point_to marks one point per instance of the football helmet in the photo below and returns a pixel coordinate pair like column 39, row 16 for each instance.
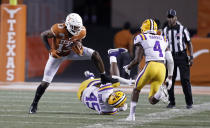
column 74, row 23
column 117, row 99
column 149, row 26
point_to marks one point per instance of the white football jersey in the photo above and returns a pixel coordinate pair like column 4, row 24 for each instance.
column 154, row 46
column 96, row 98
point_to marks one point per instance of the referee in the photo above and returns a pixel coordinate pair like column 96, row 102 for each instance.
column 179, row 40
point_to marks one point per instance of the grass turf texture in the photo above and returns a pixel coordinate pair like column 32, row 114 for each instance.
column 64, row 110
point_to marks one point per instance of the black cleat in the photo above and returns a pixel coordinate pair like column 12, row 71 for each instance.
column 107, row 79
column 33, row 109
column 171, row 106
column 189, row 106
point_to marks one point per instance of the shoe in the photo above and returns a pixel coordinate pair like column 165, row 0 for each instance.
column 164, row 94
column 116, row 51
column 33, row 109
column 107, row 79
column 171, row 106
column 130, row 118
column 189, row 106
column 89, row 74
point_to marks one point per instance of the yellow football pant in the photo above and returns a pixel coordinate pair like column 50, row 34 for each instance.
column 153, row 73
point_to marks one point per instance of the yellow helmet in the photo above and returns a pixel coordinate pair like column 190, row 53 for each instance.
column 149, row 26
column 117, row 99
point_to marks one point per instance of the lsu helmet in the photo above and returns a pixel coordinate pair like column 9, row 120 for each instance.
column 117, row 99
column 74, row 23
column 149, row 26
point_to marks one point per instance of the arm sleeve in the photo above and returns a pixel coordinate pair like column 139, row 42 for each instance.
column 170, row 62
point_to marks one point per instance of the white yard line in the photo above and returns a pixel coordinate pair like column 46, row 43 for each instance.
column 153, row 117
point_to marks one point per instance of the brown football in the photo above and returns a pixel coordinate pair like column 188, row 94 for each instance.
column 77, row 48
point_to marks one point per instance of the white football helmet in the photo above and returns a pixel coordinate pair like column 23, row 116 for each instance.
column 74, row 23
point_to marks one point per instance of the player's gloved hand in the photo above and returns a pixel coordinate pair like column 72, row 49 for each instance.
column 54, row 52
column 126, row 69
column 107, row 79
column 168, row 82
column 77, row 48
column 123, row 108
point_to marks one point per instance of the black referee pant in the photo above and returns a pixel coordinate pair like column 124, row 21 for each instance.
column 181, row 61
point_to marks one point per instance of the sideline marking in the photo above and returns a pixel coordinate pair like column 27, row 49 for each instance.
column 153, row 117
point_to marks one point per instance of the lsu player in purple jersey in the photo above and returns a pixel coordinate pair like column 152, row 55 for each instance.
column 103, row 98
column 155, row 49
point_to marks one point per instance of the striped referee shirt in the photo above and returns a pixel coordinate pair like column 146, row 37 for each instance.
column 177, row 36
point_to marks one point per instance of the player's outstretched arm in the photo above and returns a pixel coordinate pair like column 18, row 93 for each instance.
column 170, row 67
column 139, row 52
column 44, row 36
column 49, row 34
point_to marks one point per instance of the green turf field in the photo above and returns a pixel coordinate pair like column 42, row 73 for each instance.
column 64, row 110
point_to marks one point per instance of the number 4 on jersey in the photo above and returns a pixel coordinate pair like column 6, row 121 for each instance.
column 158, row 48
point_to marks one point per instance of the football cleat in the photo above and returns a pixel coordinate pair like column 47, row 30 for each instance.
column 171, row 106
column 33, row 109
column 164, row 94
column 189, row 107
column 107, row 79
column 130, row 118
column 116, row 51
column 89, row 74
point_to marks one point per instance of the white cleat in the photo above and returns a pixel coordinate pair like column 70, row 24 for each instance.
column 116, row 51
column 130, row 118
column 164, row 94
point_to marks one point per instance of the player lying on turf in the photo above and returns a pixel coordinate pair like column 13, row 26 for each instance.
column 102, row 97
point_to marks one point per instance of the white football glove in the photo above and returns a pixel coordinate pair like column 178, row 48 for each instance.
column 168, row 83
column 123, row 108
column 126, row 69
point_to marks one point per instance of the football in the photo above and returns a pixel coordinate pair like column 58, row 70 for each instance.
column 77, row 47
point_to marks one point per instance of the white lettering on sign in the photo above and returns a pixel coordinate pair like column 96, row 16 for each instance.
column 10, row 75
column 10, row 63
column 11, row 44
column 11, row 50
column 11, row 37
column 11, row 23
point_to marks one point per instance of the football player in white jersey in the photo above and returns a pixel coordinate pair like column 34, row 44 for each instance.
column 155, row 49
column 103, row 98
